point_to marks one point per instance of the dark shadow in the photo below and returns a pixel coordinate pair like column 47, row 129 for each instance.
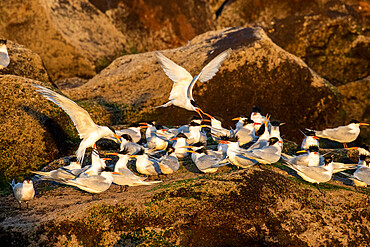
column 63, row 141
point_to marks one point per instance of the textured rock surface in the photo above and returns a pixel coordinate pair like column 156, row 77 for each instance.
column 251, row 207
column 33, row 130
column 157, row 24
column 335, row 42
column 258, row 72
column 356, row 101
column 72, row 37
column 24, row 63
column 332, row 37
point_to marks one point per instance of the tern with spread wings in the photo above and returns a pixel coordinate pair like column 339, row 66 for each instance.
column 87, row 129
column 182, row 91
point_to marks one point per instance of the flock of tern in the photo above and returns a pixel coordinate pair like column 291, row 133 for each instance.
column 160, row 150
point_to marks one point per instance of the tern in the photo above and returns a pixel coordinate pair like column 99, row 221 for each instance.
column 87, row 129
column 196, row 134
column 217, row 130
column 23, row 192
column 257, row 117
column 246, row 133
column 309, row 140
column 134, row 131
column 235, row 154
column 124, row 176
column 182, row 91
column 128, row 144
column 342, row 134
column 310, row 158
column 147, row 165
column 179, row 142
column 268, row 154
column 169, row 162
column 206, row 162
column 263, row 138
column 361, row 177
column 241, row 122
column 93, row 184
column 275, row 129
column 315, row 174
column 4, row 56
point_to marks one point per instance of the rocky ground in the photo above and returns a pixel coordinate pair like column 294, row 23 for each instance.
column 304, row 62
column 263, row 205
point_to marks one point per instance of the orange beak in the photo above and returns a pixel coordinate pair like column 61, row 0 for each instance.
column 315, row 137
column 111, row 153
column 118, row 138
column 302, row 151
column 364, row 124
column 208, row 115
column 236, row 119
column 224, row 142
column 173, row 139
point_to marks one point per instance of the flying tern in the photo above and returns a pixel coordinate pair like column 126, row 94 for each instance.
column 87, row 129
column 182, row 91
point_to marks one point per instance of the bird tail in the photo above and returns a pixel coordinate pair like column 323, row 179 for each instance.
column 41, row 173
column 169, row 103
column 285, row 156
column 13, row 183
column 80, row 153
column 149, row 183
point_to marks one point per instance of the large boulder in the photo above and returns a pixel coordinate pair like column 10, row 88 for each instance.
column 24, row 63
column 331, row 36
column 356, row 101
column 258, row 72
column 34, row 131
column 72, row 37
column 155, row 25
column 334, row 41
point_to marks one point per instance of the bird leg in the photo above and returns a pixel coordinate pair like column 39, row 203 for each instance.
column 20, row 205
column 344, row 145
column 120, row 189
column 318, row 187
column 126, row 188
column 27, row 205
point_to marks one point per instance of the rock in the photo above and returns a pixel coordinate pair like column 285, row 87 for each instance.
column 332, row 37
column 72, row 37
column 24, row 63
column 34, row 131
column 356, row 101
column 155, row 25
column 258, row 72
column 333, row 41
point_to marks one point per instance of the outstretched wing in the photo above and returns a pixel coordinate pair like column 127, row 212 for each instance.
column 81, row 118
column 176, row 73
column 209, row 71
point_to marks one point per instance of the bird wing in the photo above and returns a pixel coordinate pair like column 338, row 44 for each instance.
column 269, row 154
column 95, row 182
column 209, row 71
column 80, row 117
column 339, row 133
column 176, row 73
column 208, row 161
